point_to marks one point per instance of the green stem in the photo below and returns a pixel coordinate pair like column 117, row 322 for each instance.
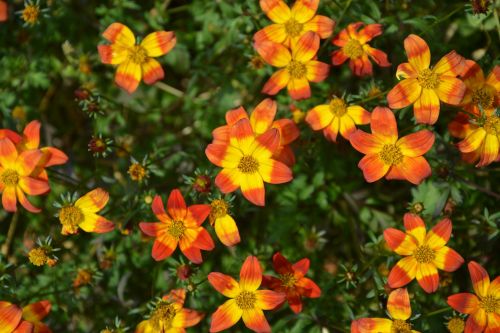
column 171, row 90
column 430, row 314
column 10, row 234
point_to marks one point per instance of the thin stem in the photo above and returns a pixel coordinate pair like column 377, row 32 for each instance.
column 373, row 97
column 478, row 187
column 37, row 295
column 10, row 234
column 171, row 90
column 430, row 314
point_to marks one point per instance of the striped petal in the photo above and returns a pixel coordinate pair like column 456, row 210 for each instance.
column 464, row 302
column 273, row 53
column 255, row 320
column 152, row 229
column 263, row 115
column 373, row 167
column 176, row 206
column 112, row 54
column 369, row 32
column 228, row 180
column 204, row 241
column 8, row 153
column 23, row 200
column 9, row 199
column 473, row 141
column 365, row 143
column 428, row 277
column 426, row 108
column 227, row 230
column 10, row 316
column 317, row 71
column 276, row 82
column 163, row 247
column 308, row 288
column 4, row 11
column 299, row 89
column 276, row 10
column 128, row 76
column 398, row 304
column 93, row 201
column 493, row 323
column 250, row 274
column 119, row 34
column 24, row 327
column 275, row 172
column 159, row 209
column 96, row 223
column 198, row 213
column 319, row 117
column 494, row 288
column 223, row 155
column 242, row 136
column 152, row 71
column 404, row 93
column 186, row 318
column 359, row 115
column 36, row 311
column 275, row 33
column 476, row 322
column 417, row 50
column 494, row 78
column 472, row 75
column 321, row 25
column 159, row 43
column 371, row 325
column 266, row 145
column 268, row 299
column 480, row 279
column 401, row 243
column 252, row 188
column 416, row 144
column 448, row 259
column 288, row 130
column 33, row 186
column 304, row 10
column 54, row 156
column 414, row 169
column 226, row 316
column 339, row 57
column 188, row 247
column 306, row 48
column 452, row 64
column 332, row 130
column 383, row 124
column 347, row 126
column 31, row 135
column 27, row 161
column 415, row 226
column 224, row 284
column 405, row 71
column 490, row 150
column 361, row 66
column 451, row 90
column 377, row 55
column 439, row 234
column 232, row 116
column 403, row 272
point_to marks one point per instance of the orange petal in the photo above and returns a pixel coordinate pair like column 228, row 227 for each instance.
column 494, row 78
column 448, row 259
column 119, row 34
column 472, row 74
column 414, row 169
column 266, row 144
column 250, row 274
column 321, row 25
column 304, row 10
column 255, row 320
column 281, row 264
column 226, row 316
column 319, row 117
column 188, row 248
column 263, row 115
column 33, row 186
column 401, row 243
column 452, row 64
column 4, row 11
column 404, row 93
column 398, row 304
column 159, row 43
column 96, row 223
column 299, row 89
column 473, row 141
column 428, row 277
column 358, row 114
column 54, row 156
column 10, row 316
column 227, row 230
column 383, row 124
column 9, row 199
column 232, row 116
column 361, row 66
column 28, row 160
column 495, row 287
column 405, row 71
column 252, row 188
column 8, row 153
column 275, row 172
column 365, row 143
column 31, row 135
column 317, row 71
column 228, row 180
column 331, row 131
column 152, row 229
column 416, row 144
column 476, row 322
column 187, row 318
column 493, row 323
column 220, row 135
column 176, row 205
column 276, row 82
column 373, row 167
column 242, row 136
column 25, row 202
column 268, row 300
column 338, row 57
column 224, row 284
column 128, row 76
column 369, row 32
column 301, row 266
column 275, row 33
column 371, row 325
column 439, row 234
column 112, row 54
column 199, row 213
column 347, row 126
column 289, row 132
column 159, row 209
column 93, row 201
column 415, row 226
column 377, row 55
column 426, row 108
column 276, row 10
column 13, row 136
column 152, row 71
column 24, row 327
column 480, row 279
column 273, row 53
column 223, row 155
column 308, row 288
column 490, row 150
column 417, row 50
column 163, row 247
column 306, row 48
column 451, row 90
column 464, row 302
column 204, row 241
column 36, row 311
column 403, row 272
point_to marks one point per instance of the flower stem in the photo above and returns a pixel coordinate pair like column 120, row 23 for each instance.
column 10, row 234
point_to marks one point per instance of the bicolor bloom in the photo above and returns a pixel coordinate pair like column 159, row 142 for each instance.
column 16, row 178
column 181, row 226
column 354, row 46
column 261, row 120
column 398, row 306
column 483, row 308
column 424, row 86
column 28, row 319
column 480, row 92
column 292, row 281
column 4, row 11
column 336, row 117
column 83, row 214
column 135, row 61
column 297, row 68
column 424, row 253
column 169, row 315
column 247, row 162
column 460, row 127
column 388, row 156
column 291, row 24
column 246, row 301
column 223, row 223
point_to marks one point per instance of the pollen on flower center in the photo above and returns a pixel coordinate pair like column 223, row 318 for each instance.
column 400, row 326
column 424, row 254
column 296, row 69
column 162, row 317
column 492, row 125
column 248, row 164
column 218, row 208
column 176, row 229
column 293, row 28
column 30, row 14
column 483, row 96
column 391, row 154
column 9, row 177
column 490, row 304
column 456, row 325
column 137, row 172
column 338, row 107
column 246, row 300
column 71, row 217
column 288, row 280
column 138, row 54
column 38, row 256
column 353, row 49
column 428, row 79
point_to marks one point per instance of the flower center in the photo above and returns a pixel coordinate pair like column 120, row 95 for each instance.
column 38, row 256
column 490, row 304
column 218, row 208
column 162, row 317
column 296, row 69
column 391, row 155
column 137, row 55
column 353, row 49
column 176, row 229
column 137, row 172
column 30, row 14
column 71, row 217
column 9, row 177
column 338, row 107
column 288, row 280
column 293, row 28
column 483, row 96
column 424, row 254
column 428, row 79
column 492, row 125
column 456, row 325
column 400, row 326
column 248, row 164
column 246, row 300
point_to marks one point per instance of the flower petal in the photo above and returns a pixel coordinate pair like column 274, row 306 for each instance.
column 227, row 230
column 112, row 54
column 480, row 279
column 301, row 266
column 359, row 114
column 304, row 10
column 204, row 241
column 276, row 82
column 263, row 115
column 242, row 136
column 473, row 141
column 339, row 57
column 250, row 274
column 490, row 150
column 404, row 93
column 188, row 247
column 276, row 10
column 317, row 71
column 223, row 155
column 159, row 43
column 228, row 180
column 275, row 172
column 299, row 89
column 93, row 201
column 405, row 71
column 25, row 202
column 33, row 186
column 319, row 117
column 288, row 130
column 96, row 223
column 414, row 169
column 377, row 55
column 9, row 199
column 159, row 209
column 163, row 247
column 426, row 108
column 451, row 90
column 464, row 302
column 361, row 66
column 398, row 304
column 36, row 311
column 332, row 130
column 176, row 205
column 415, row 226
column 417, row 50
column 28, row 160
column 151, row 229
column 321, row 25
column 448, row 259
column 226, row 316
column 401, row 243
column 373, row 167
column 347, row 126
column 10, row 316
column 476, row 322
column 152, row 71
column 268, row 300
column 275, row 33
column 24, row 327
column 403, row 272
column 428, row 277
column 255, row 320
column 128, row 76
column 306, row 48
column 224, row 284
column 371, row 325
column 365, row 143
column 416, row 144
column 452, row 64
column 439, row 234
column 8, row 152
column 199, row 213
column 273, row 53
column 383, row 124
column 119, row 34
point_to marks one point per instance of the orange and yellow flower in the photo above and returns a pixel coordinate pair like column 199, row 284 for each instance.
column 480, row 92
column 82, row 214
column 223, row 223
column 337, row 116
column 398, row 306
column 13, row 319
column 135, row 61
column 460, row 127
column 297, row 68
column 483, row 308
column 388, row 156
column 292, row 281
column 424, row 86
column 424, row 253
column 169, row 315
column 261, row 120
column 246, row 301
column 181, row 226
column 354, row 46
column 247, row 161
column 291, row 24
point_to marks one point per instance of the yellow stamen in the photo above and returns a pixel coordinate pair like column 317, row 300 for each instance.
column 490, row 304
column 162, row 317
column 353, row 49
column 483, row 96
column 400, row 326
column 176, row 229
column 38, row 256
column 428, row 79
column 137, row 172
column 138, row 55
column 424, row 254
column 391, row 154
column 30, row 14
column 492, row 125
column 296, row 69
column 338, row 107
column 293, row 28
column 70, row 217
column 248, row 164
column 288, row 280
column 9, row 177
column 246, row 300
column 218, row 209
column 456, row 325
